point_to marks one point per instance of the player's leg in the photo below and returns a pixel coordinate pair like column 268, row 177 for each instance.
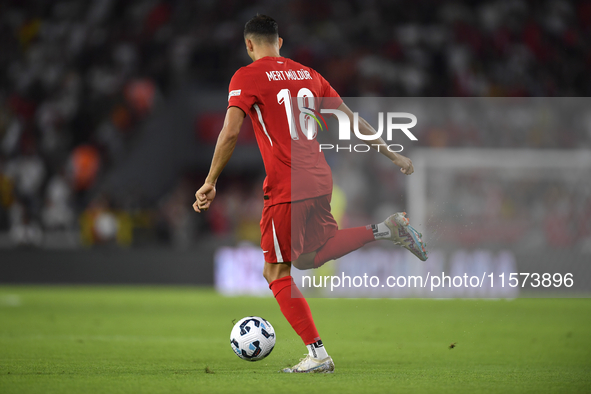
column 296, row 310
column 291, row 302
column 343, row 242
column 277, row 243
column 324, row 241
column 395, row 228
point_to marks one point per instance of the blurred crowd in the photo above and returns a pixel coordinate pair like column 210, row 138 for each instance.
column 76, row 84
column 79, row 79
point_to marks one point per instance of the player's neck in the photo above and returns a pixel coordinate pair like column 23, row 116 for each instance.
column 267, row 52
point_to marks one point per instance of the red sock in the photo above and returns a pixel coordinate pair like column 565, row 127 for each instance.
column 344, row 241
column 295, row 308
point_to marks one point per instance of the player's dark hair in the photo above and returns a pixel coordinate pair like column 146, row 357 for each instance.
column 263, row 27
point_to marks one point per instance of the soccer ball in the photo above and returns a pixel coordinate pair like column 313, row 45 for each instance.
column 252, row 338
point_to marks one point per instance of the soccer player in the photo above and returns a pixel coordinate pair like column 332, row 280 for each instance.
column 297, row 227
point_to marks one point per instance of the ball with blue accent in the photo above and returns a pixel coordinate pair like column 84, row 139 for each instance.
column 252, row 338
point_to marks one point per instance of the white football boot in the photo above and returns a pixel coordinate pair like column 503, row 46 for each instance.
column 309, row 364
column 403, row 234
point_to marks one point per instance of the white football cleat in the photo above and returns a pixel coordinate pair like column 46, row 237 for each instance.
column 312, row 365
column 403, row 234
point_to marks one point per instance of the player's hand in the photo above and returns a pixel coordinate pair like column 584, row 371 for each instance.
column 404, row 163
column 204, row 197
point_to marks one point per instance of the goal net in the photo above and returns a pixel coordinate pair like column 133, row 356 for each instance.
column 508, row 210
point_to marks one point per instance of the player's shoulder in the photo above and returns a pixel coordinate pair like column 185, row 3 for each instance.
column 293, row 63
column 296, row 65
column 313, row 73
column 244, row 72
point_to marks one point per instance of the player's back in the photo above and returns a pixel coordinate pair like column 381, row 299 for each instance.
column 273, row 90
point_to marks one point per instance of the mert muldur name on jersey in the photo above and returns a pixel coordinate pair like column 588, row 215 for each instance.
column 289, row 75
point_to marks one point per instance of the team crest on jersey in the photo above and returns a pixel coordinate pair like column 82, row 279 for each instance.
column 234, row 93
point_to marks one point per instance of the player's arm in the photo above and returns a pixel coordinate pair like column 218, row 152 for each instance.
column 365, row 128
column 223, row 151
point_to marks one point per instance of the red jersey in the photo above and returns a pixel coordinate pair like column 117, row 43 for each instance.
column 296, row 168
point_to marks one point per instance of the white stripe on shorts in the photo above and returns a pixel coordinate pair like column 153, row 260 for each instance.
column 276, row 243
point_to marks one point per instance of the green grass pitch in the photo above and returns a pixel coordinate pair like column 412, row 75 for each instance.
column 176, row 340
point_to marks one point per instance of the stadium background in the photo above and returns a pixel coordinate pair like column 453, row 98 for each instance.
column 109, row 111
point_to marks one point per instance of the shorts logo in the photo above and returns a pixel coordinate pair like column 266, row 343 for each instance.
column 234, row 93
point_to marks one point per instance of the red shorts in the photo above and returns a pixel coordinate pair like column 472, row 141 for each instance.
column 291, row 229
